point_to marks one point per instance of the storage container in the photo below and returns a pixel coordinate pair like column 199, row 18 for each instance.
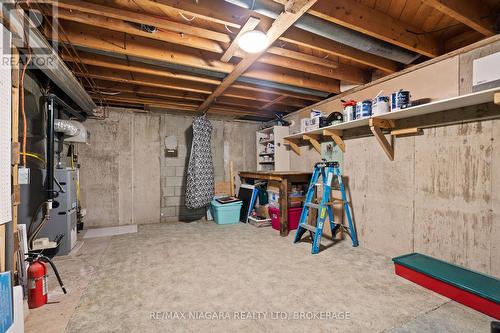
column 226, row 213
column 293, row 217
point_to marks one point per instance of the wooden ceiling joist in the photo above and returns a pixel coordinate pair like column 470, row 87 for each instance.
column 271, row 103
column 133, row 29
column 118, row 43
column 139, row 18
column 122, row 25
column 318, row 43
column 295, row 60
column 375, row 23
column 110, row 87
column 251, row 24
column 465, row 11
column 280, row 25
column 143, row 80
column 98, row 60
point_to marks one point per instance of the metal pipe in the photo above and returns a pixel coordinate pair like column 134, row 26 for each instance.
column 66, row 127
column 49, row 183
column 332, row 31
column 53, row 66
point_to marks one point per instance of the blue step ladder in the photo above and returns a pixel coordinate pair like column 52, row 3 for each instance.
column 327, row 170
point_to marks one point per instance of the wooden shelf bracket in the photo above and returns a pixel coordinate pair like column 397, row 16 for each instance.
column 496, row 98
column 376, row 126
column 293, row 145
column 337, row 137
column 313, row 139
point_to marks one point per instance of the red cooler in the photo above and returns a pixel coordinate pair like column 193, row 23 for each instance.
column 293, row 217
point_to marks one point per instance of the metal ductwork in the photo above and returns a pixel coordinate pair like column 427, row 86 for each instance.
column 66, row 127
column 55, row 68
column 332, row 31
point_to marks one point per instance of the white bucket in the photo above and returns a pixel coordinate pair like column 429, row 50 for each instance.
column 380, row 105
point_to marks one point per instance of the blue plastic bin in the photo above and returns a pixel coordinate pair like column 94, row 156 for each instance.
column 226, row 213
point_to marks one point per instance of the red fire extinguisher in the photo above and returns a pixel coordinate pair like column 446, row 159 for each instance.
column 37, row 284
column 37, row 280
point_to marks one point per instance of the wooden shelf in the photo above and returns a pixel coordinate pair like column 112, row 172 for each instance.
column 386, row 121
column 485, row 96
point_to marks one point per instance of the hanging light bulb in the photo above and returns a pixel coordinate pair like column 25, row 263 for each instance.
column 253, row 41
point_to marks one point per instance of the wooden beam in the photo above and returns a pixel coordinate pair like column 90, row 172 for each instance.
column 251, row 23
column 293, row 145
column 375, row 23
column 337, row 137
column 280, row 25
column 132, row 28
column 159, row 103
column 382, row 140
column 496, row 98
column 342, row 72
column 231, row 15
column 296, row 60
column 407, row 132
column 212, row 13
column 139, row 18
column 315, row 42
column 281, row 51
column 382, row 123
column 113, row 87
column 376, row 126
column 314, row 140
column 262, row 90
column 466, row 11
column 93, row 59
column 114, row 42
column 278, row 99
column 143, row 80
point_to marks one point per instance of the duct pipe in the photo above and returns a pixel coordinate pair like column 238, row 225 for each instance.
column 53, row 66
column 332, row 31
column 66, row 127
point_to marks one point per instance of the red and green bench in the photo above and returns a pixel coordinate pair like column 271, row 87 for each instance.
column 478, row 291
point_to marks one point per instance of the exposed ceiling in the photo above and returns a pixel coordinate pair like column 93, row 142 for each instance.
column 191, row 64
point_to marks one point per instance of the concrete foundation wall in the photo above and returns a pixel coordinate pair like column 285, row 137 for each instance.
column 128, row 178
column 441, row 194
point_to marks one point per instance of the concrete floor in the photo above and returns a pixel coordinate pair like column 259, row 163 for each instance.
column 133, row 283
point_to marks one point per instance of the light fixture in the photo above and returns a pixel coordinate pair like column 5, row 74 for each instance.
column 253, row 41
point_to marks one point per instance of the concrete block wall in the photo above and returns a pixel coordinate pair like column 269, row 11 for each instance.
column 127, row 177
column 229, row 140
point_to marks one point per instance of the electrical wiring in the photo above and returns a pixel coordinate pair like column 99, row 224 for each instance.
column 227, row 28
column 187, row 19
column 36, row 156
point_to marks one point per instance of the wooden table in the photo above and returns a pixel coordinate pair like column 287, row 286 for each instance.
column 285, row 179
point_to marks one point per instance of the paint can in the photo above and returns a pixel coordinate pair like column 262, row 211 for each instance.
column 400, row 99
column 359, row 110
column 349, row 110
column 366, row 108
column 380, row 105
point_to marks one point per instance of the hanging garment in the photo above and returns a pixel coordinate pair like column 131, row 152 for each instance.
column 200, row 174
